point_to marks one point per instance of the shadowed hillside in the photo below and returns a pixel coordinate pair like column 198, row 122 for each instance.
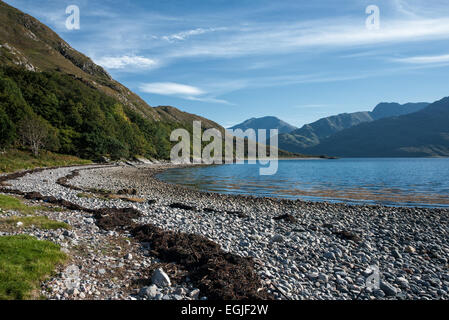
column 421, row 134
column 301, row 140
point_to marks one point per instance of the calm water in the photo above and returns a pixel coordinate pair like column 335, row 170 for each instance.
column 410, row 182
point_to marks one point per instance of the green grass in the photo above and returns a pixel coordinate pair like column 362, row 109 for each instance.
column 11, row 203
column 24, row 263
column 15, row 160
column 41, row 222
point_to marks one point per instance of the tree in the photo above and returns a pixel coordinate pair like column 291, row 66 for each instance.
column 34, row 132
column 6, row 129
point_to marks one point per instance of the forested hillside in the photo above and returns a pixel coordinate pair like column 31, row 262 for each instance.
column 79, row 119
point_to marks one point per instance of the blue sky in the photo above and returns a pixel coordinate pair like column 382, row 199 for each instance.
column 236, row 59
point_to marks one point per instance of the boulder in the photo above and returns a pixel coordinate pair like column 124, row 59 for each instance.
column 160, row 278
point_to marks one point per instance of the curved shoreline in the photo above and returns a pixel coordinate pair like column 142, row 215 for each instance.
column 210, row 261
column 322, row 253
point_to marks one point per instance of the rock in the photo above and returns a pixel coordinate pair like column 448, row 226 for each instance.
column 244, row 243
column 160, row 278
column 388, row 289
column 378, row 293
column 323, row 278
column 149, row 292
column 19, row 224
column 410, row 249
column 158, row 296
column 348, row 235
column 73, row 292
column 277, row 238
column 129, row 256
column 313, row 275
column 286, row 217
column 396, row 254
column 402, row 282
column 89, row 220
column 194, row 294
column 180, row 291
column 102, row 271
column 67, row 233
column 329, row 255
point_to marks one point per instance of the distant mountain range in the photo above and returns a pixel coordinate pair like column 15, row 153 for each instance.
column 390, row 130
column 310, row 135
column 420, row 134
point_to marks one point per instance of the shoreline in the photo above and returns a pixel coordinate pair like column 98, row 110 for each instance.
column 321, row 251
column 360, row 197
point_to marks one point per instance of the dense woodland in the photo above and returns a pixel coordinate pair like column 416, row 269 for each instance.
column 75, row 118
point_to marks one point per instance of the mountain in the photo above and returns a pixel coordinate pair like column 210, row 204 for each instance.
column 80, row 107
column 386, row 110
column 24, row 41
column 311, row 135
column 88, row 113
column 421, row 134
column 265, row 123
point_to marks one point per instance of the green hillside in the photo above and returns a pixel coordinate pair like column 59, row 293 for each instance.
column 85, row 112
column 80, row 120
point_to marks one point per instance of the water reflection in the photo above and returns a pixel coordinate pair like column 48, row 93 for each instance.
column 423, row 182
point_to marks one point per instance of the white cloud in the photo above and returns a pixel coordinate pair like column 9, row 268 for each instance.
column 425, row 59
column 171, row 88
column 182, row 91
column 327, row 34
column 126, row 61
column 210, row 100
column 181, row 36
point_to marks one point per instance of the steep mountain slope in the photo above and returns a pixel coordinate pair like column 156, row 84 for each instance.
column 311, row 135
column 421, row 134
column 86, row 111
column 24, row 41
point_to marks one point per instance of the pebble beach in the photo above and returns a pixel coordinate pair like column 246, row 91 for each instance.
column 301, row 250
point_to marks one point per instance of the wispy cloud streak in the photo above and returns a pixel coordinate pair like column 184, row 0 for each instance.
column 183, row 91
column 126, row 61
column 425, row 59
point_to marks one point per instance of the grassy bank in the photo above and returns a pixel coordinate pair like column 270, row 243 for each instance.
column 14, row 160
column 41, row 222
column 12, row 203
column 24, row 263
